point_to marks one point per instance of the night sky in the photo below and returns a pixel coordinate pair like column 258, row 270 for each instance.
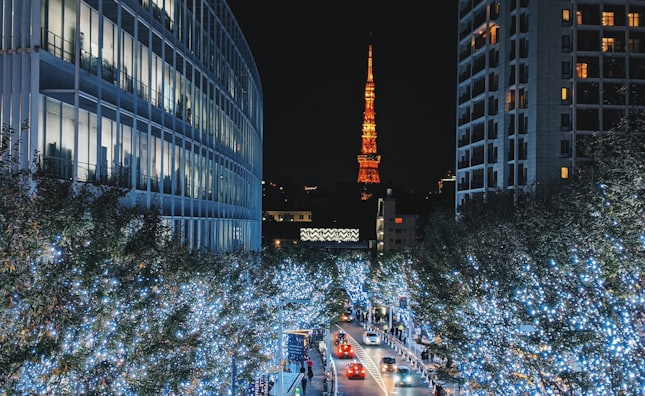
column 312, row 59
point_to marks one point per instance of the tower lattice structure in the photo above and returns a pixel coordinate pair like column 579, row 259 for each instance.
column 368, row 159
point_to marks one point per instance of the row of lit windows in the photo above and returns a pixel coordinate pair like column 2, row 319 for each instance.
column 109, row 152
column 611, row 69
column 215, row 234
column 607, row 18
column 126, row 62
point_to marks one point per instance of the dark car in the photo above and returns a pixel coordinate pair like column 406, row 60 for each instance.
column 355, row 370
column 403, row 376
column 341, row 338
column 388, row 364
column 345, row 351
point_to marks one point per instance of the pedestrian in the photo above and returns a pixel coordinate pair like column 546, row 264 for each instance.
column 303, row 383
column 310, row 373
column 385, row 328
column 310, row 363
column 302, row 369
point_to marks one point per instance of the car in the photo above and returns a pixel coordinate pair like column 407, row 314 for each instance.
column 355, row 370
column 388, row 364
column 340, row 338
column 345, row 351
column 371, row 337
column 346, row 316
column 403, row 376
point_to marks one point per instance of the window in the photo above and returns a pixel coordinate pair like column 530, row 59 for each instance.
column 564, row 172
column 608, row 44
column 634, row 19
column 565, row 122
column 494, row 31
column 608, row 18
column 581, row 70
column 634, row 45
column 564, row 148
column 566, row 69
column 566, row 17
column 566, row 43
column 579, row 17
column 524, row 48
column 524, row 23
column 523, row 99
column 564, row 95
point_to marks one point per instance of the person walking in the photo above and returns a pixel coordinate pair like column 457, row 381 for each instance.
column 310, row 369
column 310, row 373
column 303, row 384
column 310, row 363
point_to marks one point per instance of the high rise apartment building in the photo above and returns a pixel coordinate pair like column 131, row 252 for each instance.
column 537, row 79
column 162, row 97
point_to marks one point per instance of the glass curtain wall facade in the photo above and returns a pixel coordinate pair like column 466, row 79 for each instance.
column 160, row 96
column 536, row 80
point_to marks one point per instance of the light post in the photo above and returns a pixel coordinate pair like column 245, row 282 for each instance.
column 327, row 349
column 282, row 302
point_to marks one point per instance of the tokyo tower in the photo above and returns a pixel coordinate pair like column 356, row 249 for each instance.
column 368, row 159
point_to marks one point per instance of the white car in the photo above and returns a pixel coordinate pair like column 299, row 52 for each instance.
column 371, row 337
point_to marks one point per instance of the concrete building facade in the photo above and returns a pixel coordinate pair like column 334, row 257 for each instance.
column 535, row 81
column 394, row 231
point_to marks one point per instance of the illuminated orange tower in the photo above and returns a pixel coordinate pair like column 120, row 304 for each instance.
column 368, row 159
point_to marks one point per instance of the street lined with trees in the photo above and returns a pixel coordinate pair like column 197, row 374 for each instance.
column 525, row 295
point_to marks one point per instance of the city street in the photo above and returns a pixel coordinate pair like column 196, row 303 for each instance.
column 375, row 382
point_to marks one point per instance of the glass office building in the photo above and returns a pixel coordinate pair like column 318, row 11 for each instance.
column 160, row 96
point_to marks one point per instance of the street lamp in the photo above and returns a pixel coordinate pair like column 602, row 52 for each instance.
column 282, row 303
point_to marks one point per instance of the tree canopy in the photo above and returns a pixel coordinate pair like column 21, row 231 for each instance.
column 525, row 294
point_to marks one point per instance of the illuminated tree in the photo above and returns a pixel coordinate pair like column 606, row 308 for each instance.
column 548, row 291
column 99, row 299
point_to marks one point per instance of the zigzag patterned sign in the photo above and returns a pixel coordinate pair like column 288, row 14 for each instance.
column 329, row 234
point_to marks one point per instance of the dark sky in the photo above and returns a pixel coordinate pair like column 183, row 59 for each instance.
column 312, row 59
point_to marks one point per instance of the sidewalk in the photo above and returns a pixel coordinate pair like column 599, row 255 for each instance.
column 316, row 386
